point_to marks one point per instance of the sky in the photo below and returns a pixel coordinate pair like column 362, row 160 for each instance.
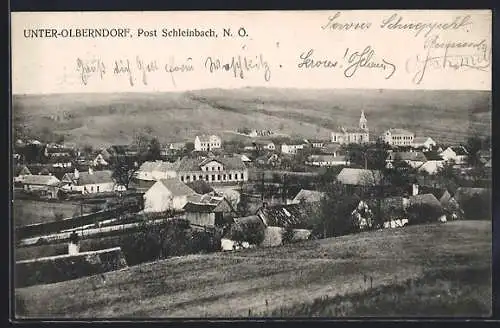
column 275, row 42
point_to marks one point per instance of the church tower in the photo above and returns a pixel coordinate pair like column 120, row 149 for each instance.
column 363, row 122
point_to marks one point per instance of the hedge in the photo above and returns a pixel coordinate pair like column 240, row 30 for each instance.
column 66, row 267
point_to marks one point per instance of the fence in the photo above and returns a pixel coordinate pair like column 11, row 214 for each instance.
column 71, row 223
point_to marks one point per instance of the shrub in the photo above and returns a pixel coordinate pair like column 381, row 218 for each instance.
column 423, row 213
column 477, row 207
column 288, row 235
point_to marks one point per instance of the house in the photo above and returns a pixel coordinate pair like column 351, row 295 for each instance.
column 209, row 210
column 426, row 208
column 359, row 177
column 200, row 214
column 120, row 151
column 326, row 160
column 269, row 159
column 332, row 149
column 424, row 142
column 450, row 206
column 431, row 167
column 207, row 142
column 58, row 151
column 167, row 194
column 156, row 170
column 214, row 169
column 177, row 146
column 99, row 160
column 398, row 137
column 44, row 185
column 292, row 147
column 316, row 143
column 244, row 158
column 263, row 145
column 295, row 217
column 308, row 196
column 90, row 182
column 457, row 154
column 413, row 158
column 358, row 135
column 20, row 172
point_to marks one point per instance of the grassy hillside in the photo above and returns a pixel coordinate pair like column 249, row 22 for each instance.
column 291, row 279
column 102, row 119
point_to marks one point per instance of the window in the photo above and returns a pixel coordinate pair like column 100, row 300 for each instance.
column 213, row 177
column 241, row 176
column 97, row 188
column 206, row 177
column 224, row 177
column 200, row 177
column 218, row 168
column 194, row 177
column 182, row 178
column 230, row 176
column 218, row 177
column 213, row 168
column 92, row 188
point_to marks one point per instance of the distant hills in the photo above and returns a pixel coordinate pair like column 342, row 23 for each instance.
column 103, row 119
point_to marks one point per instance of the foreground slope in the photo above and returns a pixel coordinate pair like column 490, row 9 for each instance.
column 285, row 279
column 103, row 119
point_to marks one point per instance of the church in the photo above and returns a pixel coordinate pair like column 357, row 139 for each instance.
column 357, row 135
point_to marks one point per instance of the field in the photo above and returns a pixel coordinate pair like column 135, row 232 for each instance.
column 433, row 270
column 33, row 211
column 104, row 119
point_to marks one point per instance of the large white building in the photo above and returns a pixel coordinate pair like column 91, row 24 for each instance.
column 207, row 142
column 398, row 137
column 358, row 135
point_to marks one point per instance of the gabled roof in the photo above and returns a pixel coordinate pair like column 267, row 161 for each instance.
column 437, row 192
column 309, row 196
column 433, row 156
column 194, row 164
column 327, row 158
column 86, row 178
column 425, row 199
column 157, row 166
column 360, row 177
column 459, row 150
column 199, row 208
column 417, row 156
column 21, row 170
column 399, row 131
column 46, row 180
column 206, row 137
column 421, row 140
column 176, row 187
column 297, row 216
column 200, row 187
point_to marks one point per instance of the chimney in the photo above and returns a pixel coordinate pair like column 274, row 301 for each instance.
column 76, row 174
column 414, row 189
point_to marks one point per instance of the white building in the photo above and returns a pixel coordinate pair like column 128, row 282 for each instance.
column 431, row 167
column 458, row 154
column 358, row 135
column 90, row 182
column 291, row 149
column 398, row 137
column 424, row 142
column 167, row 194
column 212, row 170
column 99, row 161
column 157, row 170
column 326, row 160
column 207, row 142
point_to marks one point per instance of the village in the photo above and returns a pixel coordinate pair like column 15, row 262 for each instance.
column 213, row 195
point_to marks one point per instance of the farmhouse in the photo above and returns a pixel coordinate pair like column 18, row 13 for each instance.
column 52, row 151
column 457, row 154
column 207, row 142
column 424, row 142
column 167, row 194
column 359, row 177
column 156, row 170
column 398, row 137
column 279, row 218
column 292, row 147
column 264, row 145
column 358, row 135
column 90, row 182
column 45, row 185
column 99, row 160
column 326, row 160
column 413, row 158
column 308, row 196
column 332, row 149
column 425, row 207
column 316, row 143
column 212, row 169
column 209, row 210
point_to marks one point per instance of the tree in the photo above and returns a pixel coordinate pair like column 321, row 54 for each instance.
column 154, row 150
column 124, row 170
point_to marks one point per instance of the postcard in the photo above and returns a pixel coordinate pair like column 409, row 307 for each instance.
column 251, row 164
